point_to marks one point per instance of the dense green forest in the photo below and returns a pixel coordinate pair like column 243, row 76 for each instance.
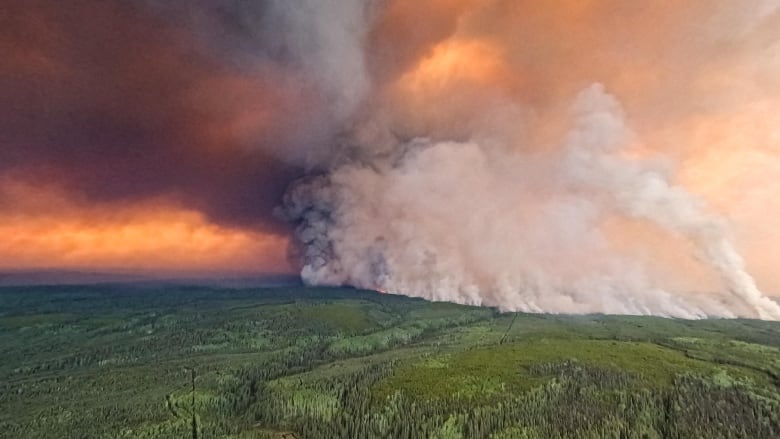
column 164, row 361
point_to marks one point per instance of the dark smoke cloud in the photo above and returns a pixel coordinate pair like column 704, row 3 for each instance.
column 121, row 101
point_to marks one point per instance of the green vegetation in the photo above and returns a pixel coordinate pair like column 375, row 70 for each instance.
column 163, row 361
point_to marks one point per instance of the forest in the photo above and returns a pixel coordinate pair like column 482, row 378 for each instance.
column 159, row 360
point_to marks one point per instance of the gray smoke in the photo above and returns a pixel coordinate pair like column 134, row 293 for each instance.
column 481, row 217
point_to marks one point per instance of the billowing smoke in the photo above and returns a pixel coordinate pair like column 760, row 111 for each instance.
column 464, row 207
column 463, row 222
column 560, row 156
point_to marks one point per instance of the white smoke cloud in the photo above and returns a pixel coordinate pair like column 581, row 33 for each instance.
column 323, row 41
column 477, row 212
column 324, row 38
column 460, row 222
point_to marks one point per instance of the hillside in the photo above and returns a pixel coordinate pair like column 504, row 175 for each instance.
column 145, row 361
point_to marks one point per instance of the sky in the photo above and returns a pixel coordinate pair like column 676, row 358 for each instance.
column 129, row 141
column 162, row 137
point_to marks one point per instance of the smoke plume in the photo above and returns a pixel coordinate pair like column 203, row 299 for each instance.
column 463, row 206
column 557, row 156
column 461, row 222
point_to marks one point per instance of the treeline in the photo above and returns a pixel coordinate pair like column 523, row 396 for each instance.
column 577, row 402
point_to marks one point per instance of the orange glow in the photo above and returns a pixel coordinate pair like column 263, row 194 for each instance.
column 150, row 237
column 455, row 60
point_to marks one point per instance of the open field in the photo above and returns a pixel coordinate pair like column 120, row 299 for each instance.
column 146, row 361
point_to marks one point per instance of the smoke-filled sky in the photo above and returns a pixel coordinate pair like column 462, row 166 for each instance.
column 568, row 156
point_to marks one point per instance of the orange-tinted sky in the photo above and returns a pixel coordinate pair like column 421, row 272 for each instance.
column 161, row 137
column 48, row 229
column 127, row 142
